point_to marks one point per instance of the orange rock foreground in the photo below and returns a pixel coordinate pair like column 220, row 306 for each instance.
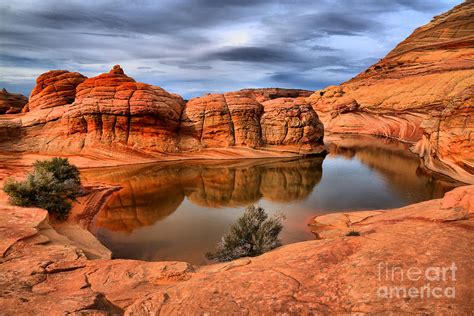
column 41, row 272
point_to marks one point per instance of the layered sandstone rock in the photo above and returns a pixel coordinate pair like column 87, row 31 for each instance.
column 289, row 122
column 112, row 115
column 11, row 103
column 108, row 115
column 54, row 88
column 265, row 94
column 421, row 92
column 40, row 274
column 238, row 119
column 113, row 109
column 221, row 120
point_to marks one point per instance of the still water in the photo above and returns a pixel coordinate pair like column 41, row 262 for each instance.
column 180, row 210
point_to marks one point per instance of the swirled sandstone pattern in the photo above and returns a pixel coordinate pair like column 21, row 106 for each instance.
column 421, row 92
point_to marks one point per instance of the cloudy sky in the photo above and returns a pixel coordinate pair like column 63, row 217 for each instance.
column 192, row 47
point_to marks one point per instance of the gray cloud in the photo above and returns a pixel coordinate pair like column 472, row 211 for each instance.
column 256, row 55
column 194, row 46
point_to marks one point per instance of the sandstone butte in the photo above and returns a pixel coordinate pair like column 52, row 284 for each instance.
column 112, row 116
column 43, row 272
column 11, row 103
column 421, row 92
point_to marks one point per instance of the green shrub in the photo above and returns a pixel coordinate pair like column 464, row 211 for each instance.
column 353, row 233
column 251, row 235
column 51, row 185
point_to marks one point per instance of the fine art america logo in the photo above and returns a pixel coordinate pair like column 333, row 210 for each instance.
column 417, row 283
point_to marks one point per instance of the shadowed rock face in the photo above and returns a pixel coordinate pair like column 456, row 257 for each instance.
column 421, row 92
column 11, row 103
column 151, row 193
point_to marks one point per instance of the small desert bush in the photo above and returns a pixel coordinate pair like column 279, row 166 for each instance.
column 51, row 185
column 251, row 235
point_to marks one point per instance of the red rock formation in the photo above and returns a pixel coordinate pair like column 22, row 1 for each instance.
column 421, row 92
column 265, row 94
column 238, row 119
column 245, row 112
column 112, row 109
column 111, row 115
column 207, row 122
column 54, row 88
column 288, row 122
column 11, row 103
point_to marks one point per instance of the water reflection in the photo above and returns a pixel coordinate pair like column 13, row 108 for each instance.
column 395, row 164
column 179, row 210
column 151, row 193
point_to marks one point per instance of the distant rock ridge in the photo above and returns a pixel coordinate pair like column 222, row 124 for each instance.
column 11, row 102
column 111, row 113
column 266, row 94
column 422, row 92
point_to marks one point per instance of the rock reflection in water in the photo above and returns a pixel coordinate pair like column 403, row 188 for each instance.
column 393, row 162
column 180, row 210
column 151, row 193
